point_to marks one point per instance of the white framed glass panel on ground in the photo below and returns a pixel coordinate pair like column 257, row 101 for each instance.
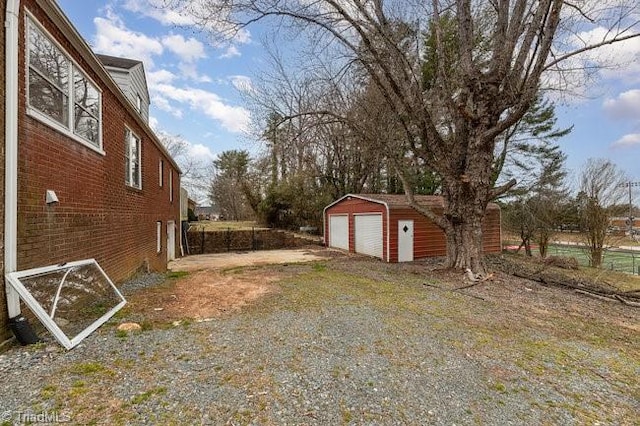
column 71, row 299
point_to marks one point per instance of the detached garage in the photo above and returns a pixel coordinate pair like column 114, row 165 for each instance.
column 384, row 226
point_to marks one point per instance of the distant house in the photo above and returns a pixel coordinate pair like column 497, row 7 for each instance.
column 192, row 204
column 86, row 177
column 206, row 213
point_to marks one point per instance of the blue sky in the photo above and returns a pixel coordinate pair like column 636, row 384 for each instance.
column 195, row 83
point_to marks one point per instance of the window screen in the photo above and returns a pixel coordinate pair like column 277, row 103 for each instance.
column 71, row 299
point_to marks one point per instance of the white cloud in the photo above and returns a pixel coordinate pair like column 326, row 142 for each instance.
column 241, row 83
column 188, row 50
column 160, row 77
column 114, row 38
column 157, row 10
column 163, row 104
column 619, row 60
column 625, row 106
column 153, row 123
column 627, row 141
column 200, row 152
column 233, row 118
column 190, row 71
column 195, row 13
column 232, row 51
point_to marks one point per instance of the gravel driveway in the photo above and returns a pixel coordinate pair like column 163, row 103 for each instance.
column 350, row 341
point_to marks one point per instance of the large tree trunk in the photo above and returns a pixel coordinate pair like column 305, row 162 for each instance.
column 465, row 208
column 464, row 246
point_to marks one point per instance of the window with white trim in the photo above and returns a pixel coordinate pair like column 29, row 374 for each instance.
column 138, row 103
column 158, row 236
column 132, row 150
column 161, row 172
column 171, row 185
column 59, row 93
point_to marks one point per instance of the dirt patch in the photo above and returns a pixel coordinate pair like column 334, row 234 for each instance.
column 217, row 284
column 203, row 294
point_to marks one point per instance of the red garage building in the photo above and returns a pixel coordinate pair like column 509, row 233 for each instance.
column 385, row 226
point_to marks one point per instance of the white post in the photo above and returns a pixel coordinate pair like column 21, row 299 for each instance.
column 11, row 153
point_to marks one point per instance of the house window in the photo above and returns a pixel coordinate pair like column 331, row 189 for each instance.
column 59, row 93
column 158, row 236
column 171, row 186
column 160, row 172
column 132, row 151
column 138, row 103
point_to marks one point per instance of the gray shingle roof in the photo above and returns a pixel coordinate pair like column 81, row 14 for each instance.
column 116, row 62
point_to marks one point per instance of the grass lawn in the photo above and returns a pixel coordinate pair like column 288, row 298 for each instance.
column 574, row 237
column 621, row 261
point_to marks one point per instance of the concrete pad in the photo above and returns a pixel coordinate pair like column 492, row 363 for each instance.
column 233, row 259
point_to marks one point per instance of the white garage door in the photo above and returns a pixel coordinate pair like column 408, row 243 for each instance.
column 339, row 232
column 368, row 234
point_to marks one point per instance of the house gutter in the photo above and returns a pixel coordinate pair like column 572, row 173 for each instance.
column 11, row 152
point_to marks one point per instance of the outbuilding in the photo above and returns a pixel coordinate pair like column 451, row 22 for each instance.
column 386, row 227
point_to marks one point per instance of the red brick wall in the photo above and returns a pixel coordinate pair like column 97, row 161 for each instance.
column 98, row 215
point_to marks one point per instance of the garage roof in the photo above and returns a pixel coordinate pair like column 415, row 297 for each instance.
column 399, row 201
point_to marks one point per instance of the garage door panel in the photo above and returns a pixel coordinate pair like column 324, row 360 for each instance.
column 368, row 234
column 339, row 232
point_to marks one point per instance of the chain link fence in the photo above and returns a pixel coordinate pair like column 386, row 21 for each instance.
column 627, row 261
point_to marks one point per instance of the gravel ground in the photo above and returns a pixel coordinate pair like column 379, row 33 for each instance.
column 349, row 342
column 140, row 282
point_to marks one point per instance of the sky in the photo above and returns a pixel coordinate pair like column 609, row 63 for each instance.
column 196, row 83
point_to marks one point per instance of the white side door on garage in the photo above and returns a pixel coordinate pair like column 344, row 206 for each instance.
column 339, row 231
column 368, row 234
column 405, row 240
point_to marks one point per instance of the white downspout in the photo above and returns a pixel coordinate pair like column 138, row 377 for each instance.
column 11, row 152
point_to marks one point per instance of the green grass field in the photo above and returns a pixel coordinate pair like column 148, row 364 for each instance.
column 622, row 261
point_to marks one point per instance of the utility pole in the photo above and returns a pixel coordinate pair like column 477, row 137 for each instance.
column 631, row 218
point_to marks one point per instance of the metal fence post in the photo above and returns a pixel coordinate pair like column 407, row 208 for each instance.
column 253, row 238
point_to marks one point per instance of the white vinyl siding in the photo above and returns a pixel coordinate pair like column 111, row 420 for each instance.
column 58, row 92
column 368, row 234
column 132, row 152
column 339, row 231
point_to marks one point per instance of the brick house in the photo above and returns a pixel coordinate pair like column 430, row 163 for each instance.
column 71, row 133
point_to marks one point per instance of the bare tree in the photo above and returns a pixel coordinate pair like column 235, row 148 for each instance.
column 601, row 187
column 489, row 59
column 195, row 177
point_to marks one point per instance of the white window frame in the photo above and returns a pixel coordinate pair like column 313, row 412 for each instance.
column 159, row 236
column 138, row 103
column 128, row 136
column 171, row 185
column 73, row 68
column 47, row 320
column 161, row 172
